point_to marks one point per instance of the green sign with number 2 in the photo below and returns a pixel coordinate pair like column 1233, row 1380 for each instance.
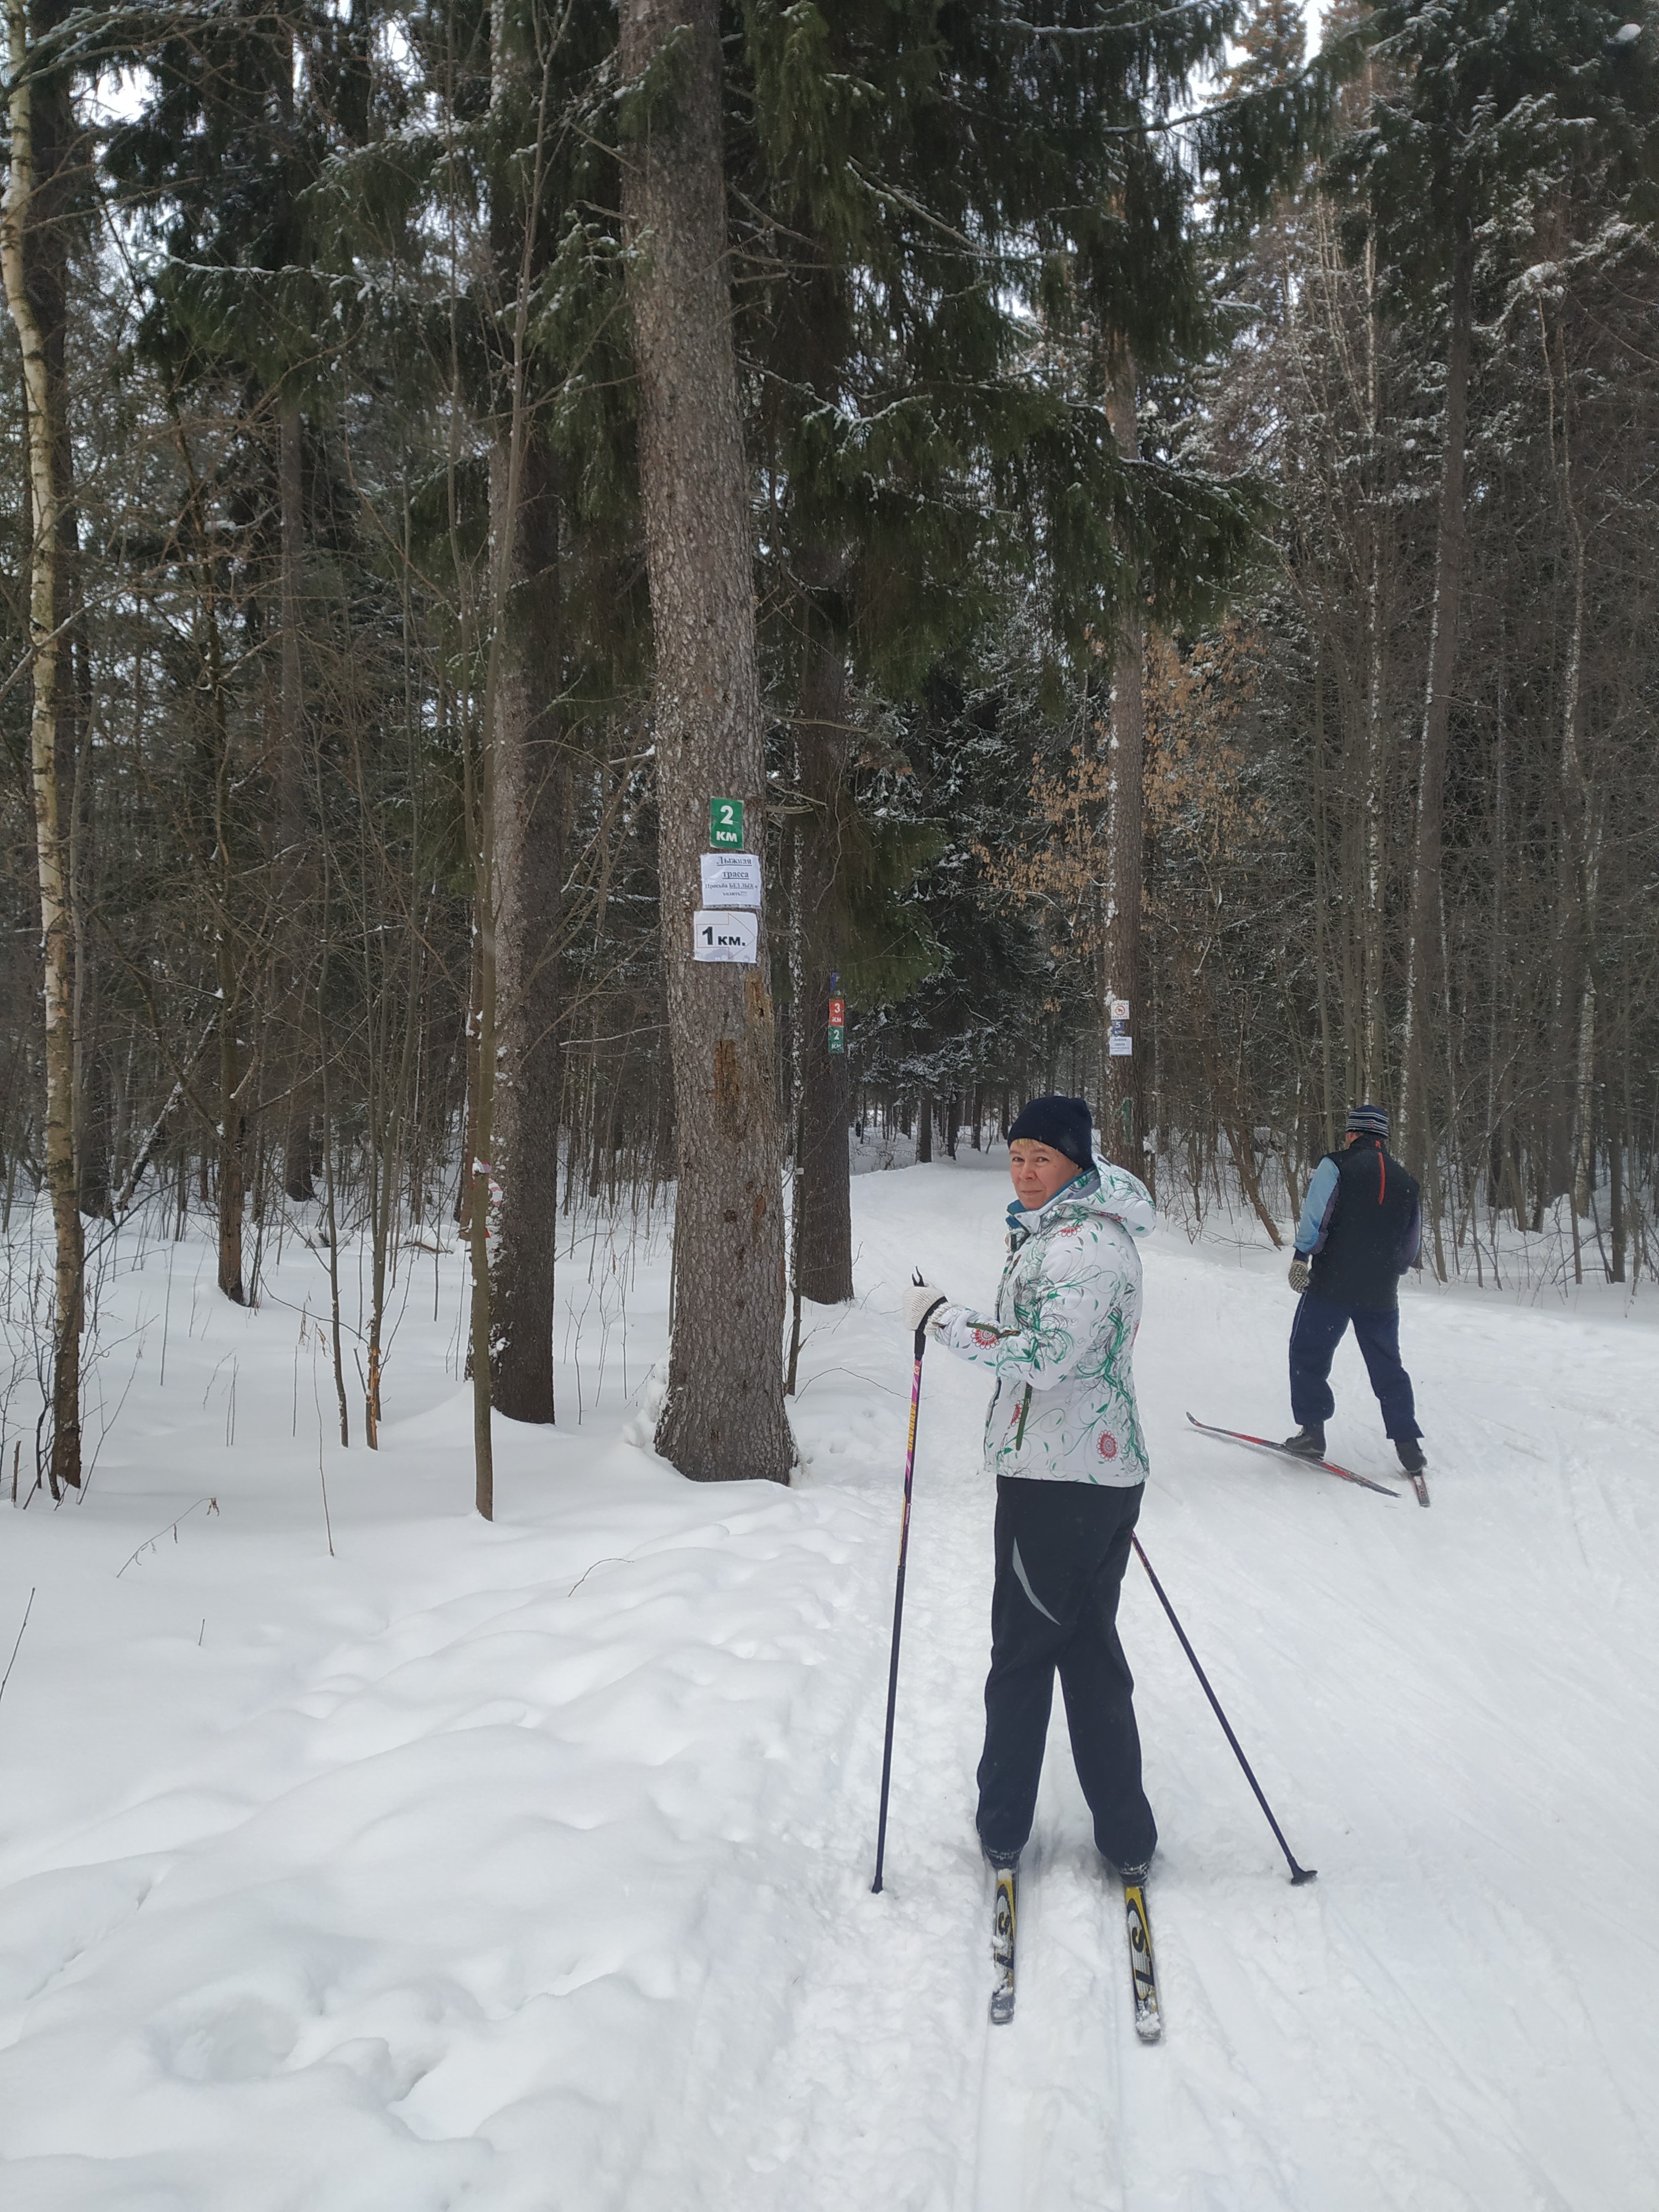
column 726, row 824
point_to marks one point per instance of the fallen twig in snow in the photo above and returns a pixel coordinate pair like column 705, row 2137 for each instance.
column 150, row 1543
column 16, row 1647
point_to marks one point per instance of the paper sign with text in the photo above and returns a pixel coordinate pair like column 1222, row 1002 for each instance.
column 732, row 879
column 717, row 933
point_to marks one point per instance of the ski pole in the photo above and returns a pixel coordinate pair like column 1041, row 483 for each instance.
column 1299, row 1873
column 898, row 1596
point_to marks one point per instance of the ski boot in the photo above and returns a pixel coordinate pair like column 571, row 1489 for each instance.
column 1306, row 1444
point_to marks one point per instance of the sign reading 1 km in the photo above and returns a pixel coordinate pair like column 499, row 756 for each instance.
column 726, row 824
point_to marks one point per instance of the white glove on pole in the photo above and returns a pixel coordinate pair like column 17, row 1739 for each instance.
column 918, row 1302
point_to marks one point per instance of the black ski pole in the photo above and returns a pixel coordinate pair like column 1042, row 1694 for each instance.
column 1297, row 1873
column 898, row 1594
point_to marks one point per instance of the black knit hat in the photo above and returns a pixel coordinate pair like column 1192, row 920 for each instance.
column 1367, row 1122
column 1063, row 1124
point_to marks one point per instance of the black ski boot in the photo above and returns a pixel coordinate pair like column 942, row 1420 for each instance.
column 1306, row 1444
column 1410, row 1451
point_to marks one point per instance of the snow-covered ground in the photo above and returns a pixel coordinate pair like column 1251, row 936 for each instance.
column 527, row 1865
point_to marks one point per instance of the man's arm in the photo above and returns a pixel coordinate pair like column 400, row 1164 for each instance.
column 1317, row 1207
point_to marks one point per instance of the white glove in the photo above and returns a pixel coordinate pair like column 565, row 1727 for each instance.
column 919, row 1301
column 1301, row 1274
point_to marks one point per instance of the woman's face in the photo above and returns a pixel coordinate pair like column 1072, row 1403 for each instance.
column 1038, row 1172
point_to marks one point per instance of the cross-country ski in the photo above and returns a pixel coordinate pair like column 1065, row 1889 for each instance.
column 1284, row 1452
column 1143, row 1971
column 1004, row 1924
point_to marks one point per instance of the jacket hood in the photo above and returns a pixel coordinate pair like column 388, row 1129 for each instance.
column 1103, row 1189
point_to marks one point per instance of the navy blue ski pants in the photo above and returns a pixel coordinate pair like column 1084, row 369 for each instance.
column 1061, row 1548
column 1318, row 1328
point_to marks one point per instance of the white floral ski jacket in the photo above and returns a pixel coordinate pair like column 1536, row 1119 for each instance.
column 1060, row 1344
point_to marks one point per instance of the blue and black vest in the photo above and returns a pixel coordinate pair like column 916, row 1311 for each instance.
column 1371, row 1235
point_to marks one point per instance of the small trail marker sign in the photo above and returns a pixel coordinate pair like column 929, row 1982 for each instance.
column 1120, row 1045
column 718, row 933
column 726, row 824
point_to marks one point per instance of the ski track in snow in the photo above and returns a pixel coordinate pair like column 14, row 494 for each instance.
column 528, row 1866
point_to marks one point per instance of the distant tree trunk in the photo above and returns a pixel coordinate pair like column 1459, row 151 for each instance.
column 823, row 1265
column 723, row 1414
column 1422, row 929
column 293, row 874
column 1368, row 1062
column 530, row 810
column 1123, row 1078
column 924, row 1131
column 44, row 415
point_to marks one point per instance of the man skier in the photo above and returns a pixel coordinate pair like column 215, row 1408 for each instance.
column 1063, row 1438
column 1360, row 1230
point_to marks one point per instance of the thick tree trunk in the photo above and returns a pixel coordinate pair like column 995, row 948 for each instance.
column 723, row 1414
column 1423, row 932
column 530, row 813
column 44, row 406
column 1122, row 1133
column 823, row 1265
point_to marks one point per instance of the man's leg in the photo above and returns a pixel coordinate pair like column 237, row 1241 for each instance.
column 1378, row 1336
column 1031, row 1604
column 1099, row 1691
column 1315, row 1334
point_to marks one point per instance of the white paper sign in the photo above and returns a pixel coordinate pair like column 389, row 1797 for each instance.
column 1120, row 1048
column 732, row 879
column 718, row 933
column 1120, row 1010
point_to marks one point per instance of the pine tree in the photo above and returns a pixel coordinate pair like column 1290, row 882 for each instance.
column 722, row 1418
column 1467, row 100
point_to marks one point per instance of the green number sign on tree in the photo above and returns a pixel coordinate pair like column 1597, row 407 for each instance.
column 726, row 825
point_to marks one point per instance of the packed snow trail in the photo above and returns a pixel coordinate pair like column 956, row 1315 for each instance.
column 528, row 1865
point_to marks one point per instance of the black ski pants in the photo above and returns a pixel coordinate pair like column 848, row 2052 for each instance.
column 1061, row 1548
column 1320, row 1325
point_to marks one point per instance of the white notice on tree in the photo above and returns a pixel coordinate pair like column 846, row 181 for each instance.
column 717, row 933
column 732, row 879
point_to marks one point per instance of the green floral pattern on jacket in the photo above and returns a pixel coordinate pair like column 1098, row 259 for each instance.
column 1060, row 1341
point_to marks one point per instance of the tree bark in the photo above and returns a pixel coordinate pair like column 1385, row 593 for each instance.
column 723, row 1415
column 298, row 1141
column 44, row 410
column 1123, row 1080
column 529, row 812
column 823, row 1264
column 1424, row 926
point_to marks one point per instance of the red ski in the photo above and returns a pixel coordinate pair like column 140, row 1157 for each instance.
column 1266, row 1444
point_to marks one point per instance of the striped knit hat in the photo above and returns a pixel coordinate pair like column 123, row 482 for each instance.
column 1367, row 1122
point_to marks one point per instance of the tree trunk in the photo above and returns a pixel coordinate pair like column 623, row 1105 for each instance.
column 823, row 1265
column 1123, row 1077
column 723, row 1414
column 44, row 405
column 530, row 811
column 1422, row 929
column 299, row 1111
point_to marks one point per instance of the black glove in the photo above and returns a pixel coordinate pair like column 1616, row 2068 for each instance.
column 1301, row 1274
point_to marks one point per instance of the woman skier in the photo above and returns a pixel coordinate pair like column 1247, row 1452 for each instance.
column 1063, row 1438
